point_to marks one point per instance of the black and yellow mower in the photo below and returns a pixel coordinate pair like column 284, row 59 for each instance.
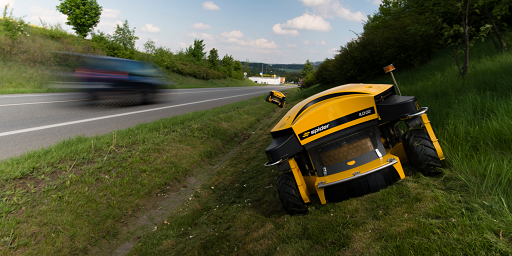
column 277, row 98
column 347, row 142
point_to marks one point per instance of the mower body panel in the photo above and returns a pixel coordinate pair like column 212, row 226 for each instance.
column 327, row 105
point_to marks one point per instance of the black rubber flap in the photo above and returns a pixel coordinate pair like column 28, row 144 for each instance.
column 283, row 147
column 396, row 107
column 364, row 185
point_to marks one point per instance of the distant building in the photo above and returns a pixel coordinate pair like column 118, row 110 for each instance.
column 267, row 80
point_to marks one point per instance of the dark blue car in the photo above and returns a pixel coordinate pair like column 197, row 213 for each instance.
column 103, row 77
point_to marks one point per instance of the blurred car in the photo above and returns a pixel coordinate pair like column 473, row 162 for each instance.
column 109, row 77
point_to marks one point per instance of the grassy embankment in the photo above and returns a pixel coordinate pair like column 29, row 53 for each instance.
column 465, row 211
column 78, row 196
column 26, row 65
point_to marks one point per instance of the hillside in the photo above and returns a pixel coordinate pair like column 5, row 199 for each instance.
column 28, row 60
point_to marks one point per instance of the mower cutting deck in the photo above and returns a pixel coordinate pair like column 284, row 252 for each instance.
column 346, row 142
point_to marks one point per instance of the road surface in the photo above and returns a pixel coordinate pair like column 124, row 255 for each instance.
column 32, row 121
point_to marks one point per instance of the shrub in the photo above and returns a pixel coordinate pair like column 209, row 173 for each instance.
column 54, row 31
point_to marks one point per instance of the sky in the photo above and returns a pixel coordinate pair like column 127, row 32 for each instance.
column 269, row 31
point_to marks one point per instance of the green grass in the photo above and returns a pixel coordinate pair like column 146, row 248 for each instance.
column 465, row 211
column 185, row 82
column 471, row 116
column 72, row 198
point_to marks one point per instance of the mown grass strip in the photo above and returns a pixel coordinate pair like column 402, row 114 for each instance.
column 73, row 197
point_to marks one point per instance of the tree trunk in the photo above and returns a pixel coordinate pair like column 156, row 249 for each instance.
column 455, row 55
column 496, row 30
column 494, row 42
column 465, row 25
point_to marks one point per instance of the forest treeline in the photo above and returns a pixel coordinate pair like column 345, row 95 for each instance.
column 409, row 33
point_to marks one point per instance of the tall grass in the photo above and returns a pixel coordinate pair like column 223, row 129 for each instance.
column 472, row 116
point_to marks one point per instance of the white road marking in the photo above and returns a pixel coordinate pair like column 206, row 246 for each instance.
column 35, row 103
column 62, row 101
column 3, row 134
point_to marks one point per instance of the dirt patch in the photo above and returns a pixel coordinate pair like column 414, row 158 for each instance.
column 155, row 211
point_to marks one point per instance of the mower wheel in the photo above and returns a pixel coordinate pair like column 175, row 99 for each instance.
column 421, row 152
column 289, row 195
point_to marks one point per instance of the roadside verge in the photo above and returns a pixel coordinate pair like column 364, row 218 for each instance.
column 79, row 194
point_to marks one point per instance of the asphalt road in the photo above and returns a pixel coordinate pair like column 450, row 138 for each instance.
column 32, row 121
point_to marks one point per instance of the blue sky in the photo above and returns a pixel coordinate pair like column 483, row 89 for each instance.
column 286, row 31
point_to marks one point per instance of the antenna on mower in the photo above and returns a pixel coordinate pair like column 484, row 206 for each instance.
column 388, row 69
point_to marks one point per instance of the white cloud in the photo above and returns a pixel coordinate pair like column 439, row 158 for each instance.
column 312, row 3
column 108, row 26
column 201, row 26
column 199, row 35
column 258, row 43
column 377, row 2
column 306, row 42
column 150, row 28
column 209, row 5
column 110, row 13
column 333, row 51
column 3, row 3
column 48, row 16
column 280, row 31
column 322, row 43
column 182, row 45
column 333, row 8
column 291, row 45
column 304, row 22
column 233, row 34
column 262, row 43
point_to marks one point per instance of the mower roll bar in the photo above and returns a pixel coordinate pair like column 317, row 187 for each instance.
column 421, row 112
column 272, row 164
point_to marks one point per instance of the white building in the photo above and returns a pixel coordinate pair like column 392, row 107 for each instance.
column 267, row 80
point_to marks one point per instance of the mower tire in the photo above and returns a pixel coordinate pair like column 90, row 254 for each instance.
column 289, row 195
column 421, row 152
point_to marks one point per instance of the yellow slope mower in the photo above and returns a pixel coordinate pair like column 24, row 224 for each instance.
column 277, row 98
column 346, row 142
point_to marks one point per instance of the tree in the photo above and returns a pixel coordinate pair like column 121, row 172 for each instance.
column 307, row 69
column 227, row 64
column 197, row 52
column 83, row 15
column 126, row 38
column 293, row 76
column 213, row 59
column 498, row 10
column 246, row 67
column 149, row 47
column 121, row 44
column 237, row 66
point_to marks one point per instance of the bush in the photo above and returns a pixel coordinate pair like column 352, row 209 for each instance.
column 53, row 31
column 197, row 71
